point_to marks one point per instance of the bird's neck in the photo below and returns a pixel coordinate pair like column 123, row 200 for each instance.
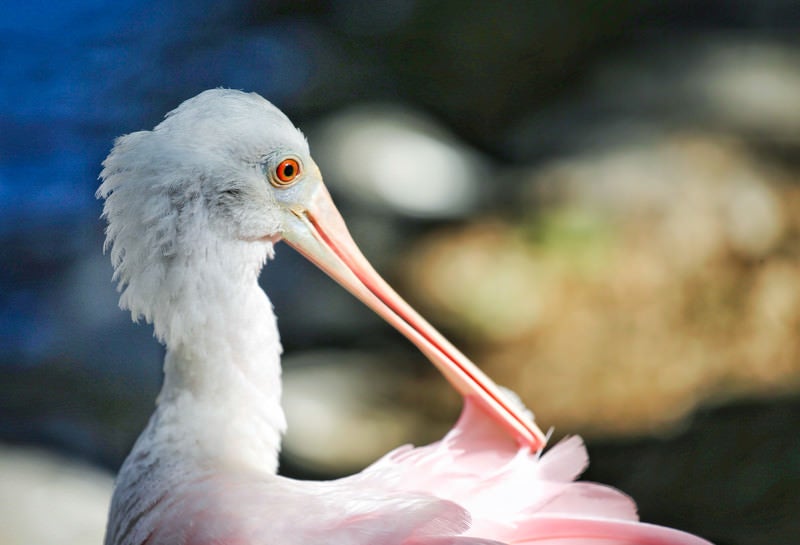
column 220, row 402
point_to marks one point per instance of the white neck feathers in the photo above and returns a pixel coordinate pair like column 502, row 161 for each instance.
column 220, row 402
column 200, row 291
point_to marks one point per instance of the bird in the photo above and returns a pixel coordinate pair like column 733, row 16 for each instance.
column 193, row 211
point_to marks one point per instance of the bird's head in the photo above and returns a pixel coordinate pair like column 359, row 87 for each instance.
column 221, row 179
column 223, row 166
column 208, row 190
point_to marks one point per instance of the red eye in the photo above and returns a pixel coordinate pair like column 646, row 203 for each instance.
column 286, row 172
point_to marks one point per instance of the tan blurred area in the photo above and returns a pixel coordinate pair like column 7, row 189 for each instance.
column 632, row 284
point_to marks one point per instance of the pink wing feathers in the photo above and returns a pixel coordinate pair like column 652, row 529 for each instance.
column 516, row 496
column 474, row 487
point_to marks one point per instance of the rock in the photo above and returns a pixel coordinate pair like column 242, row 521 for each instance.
column 49, row 500
column 639, row 281
column 395, row 159
column 345, row 409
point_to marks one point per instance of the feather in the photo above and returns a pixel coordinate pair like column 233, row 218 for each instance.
column 440, row 494
column 518, row 496
column 586, row 531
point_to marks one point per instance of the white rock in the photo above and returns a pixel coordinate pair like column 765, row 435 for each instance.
column 49, row 500
column 397, row 159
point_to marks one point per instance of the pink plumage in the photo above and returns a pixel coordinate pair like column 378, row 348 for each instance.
column 472, row 487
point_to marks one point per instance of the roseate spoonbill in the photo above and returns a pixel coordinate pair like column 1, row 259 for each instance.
column 193, row 210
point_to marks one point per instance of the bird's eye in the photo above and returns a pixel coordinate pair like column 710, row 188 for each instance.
column 285, row 173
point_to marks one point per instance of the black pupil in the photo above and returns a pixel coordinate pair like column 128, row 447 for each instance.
column 288, row 170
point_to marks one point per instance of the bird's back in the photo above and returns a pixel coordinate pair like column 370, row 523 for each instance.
column 473, row 487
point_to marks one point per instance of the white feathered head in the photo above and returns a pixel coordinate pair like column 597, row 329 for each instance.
column 196, row 187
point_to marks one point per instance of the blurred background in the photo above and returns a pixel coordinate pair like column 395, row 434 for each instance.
column 597, row 201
